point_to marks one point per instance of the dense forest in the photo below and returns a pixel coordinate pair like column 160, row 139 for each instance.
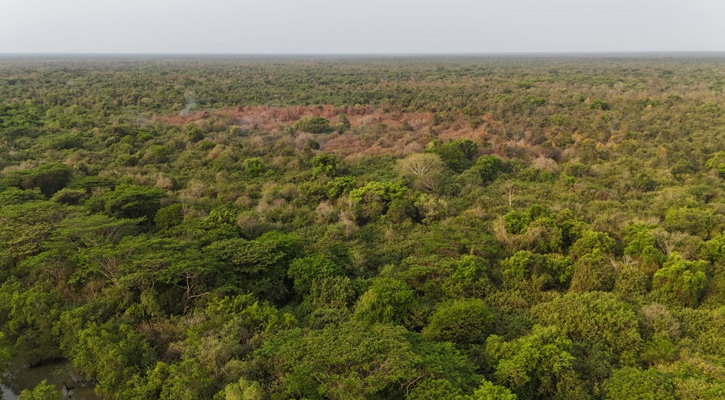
column 366, row 228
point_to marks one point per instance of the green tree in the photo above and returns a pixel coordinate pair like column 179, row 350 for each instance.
column 324, row 164
column 312, row 125
column 340, row 186
column 517, row 221
column 460, row 321
column 187, row 380
column 468, row 278
column 590, row 241
column 254, row 166
column 255, row 266
column 387, row 301
column 111, row 354
column 358, row 361
column 636, row 384
column 70, row 196
column 539, row 364
column 220, row 216
column 131, row 201
column 458, row 155
column 593, row 272
column 696, row 221
column 48, row 178
column 434, row 389
column 526, row 268
column 372, row 201
column 717, row 163
column 599, row 104
column 716, row 248
column 641, row 243
column 489, row 391
column 305, row 271
column 29, row 315
column 243, row 390
column 169, row 216
column 344, row 124
column 681, row 281
column 41, row 391
column 595, row 319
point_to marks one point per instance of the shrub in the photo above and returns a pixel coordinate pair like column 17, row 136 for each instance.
column 312, row 125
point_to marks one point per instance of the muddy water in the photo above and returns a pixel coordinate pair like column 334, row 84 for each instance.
column 20, row 377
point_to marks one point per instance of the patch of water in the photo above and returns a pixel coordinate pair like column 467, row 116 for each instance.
column 20, row 376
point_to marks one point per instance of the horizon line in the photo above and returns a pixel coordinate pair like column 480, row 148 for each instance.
column 365, row 54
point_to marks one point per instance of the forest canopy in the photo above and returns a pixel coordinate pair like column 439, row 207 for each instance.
column 423, row 228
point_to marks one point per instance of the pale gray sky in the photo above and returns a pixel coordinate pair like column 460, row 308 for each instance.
column 362, row 26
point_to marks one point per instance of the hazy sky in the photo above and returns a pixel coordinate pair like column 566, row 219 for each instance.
column 362, row 26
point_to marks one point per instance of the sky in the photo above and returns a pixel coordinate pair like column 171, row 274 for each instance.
column 360, row 27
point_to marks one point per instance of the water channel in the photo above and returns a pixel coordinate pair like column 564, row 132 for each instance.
column 21, row 376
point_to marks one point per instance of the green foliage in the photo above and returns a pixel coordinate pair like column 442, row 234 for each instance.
column 631, row 281
column 460, row 321
column 465, row 230
column 254, row 166
column 633, row 383
column 641, row 243
column 694, row 221
column 539, row 364
column 595, row 318
column 535, row 100
column 312, row 125
column 340, row 186
column 710, row 108
column 243, row 390
column 468, row 278
column 517, row 221
column 222, row 216
column 716, row 248
column 110, row 354
column 599, row 104
column 344, row 124
column 387, row 301
column 305, row 271
column 489, row 391
column 433, row 389
column 488, row 167
column 41, row 391
column 255, row 266
column 680, row 280
column 458, row 155
column 29, row 315
column 69, row 196
column 48, row 178
column 356, row 361
column 377, row 190
column 324, row 164
column 169, row 216
column 525, row 267
column 591, row 241
column 130, row 201
column 17, row 196
column 373, row 200
column 193, row 132
column 593, row 272
column 717, row 163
